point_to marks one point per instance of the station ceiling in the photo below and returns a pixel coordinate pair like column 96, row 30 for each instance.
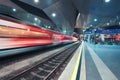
column 79, row 13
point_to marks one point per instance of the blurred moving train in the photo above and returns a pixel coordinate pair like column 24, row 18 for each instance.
column 21, row 31
column 14, row 34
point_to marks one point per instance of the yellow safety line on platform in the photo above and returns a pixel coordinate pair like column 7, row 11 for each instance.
column 77, row 65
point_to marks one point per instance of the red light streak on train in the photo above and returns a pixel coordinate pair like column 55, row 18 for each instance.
column 15, row 34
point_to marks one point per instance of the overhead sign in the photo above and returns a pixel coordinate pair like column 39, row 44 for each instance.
column 108, row 31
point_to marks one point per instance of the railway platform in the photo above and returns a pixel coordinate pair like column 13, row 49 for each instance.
column 94, row 62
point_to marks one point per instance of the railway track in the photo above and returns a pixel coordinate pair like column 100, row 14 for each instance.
column 49, row 68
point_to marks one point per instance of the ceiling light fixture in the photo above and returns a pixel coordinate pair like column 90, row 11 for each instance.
column 49, row 27
column 95, row 20
column 14, row 9
column 107, row 1
column 53, row 14
column 119, row 23
column 36, row 1
column 91, row 25
column 35, row 19
column 108, row 24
